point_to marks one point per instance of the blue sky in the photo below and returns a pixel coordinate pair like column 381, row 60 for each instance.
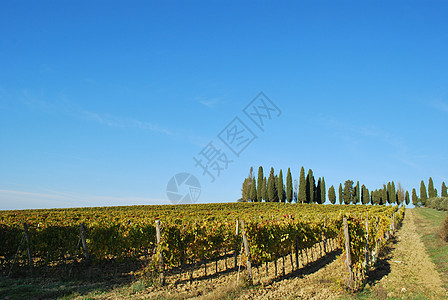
column 102, row 102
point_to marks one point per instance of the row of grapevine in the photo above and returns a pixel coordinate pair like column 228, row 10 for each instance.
column 367, row 234
column 191, row 235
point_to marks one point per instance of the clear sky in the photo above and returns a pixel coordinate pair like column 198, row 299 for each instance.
column 102, row 102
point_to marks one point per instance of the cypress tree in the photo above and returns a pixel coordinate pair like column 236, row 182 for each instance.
column 364, row 199
column 280, row 187
column 260, row 184
column 384, row 198
column 276, row 198
column 393, row 192
column 265, row 190
column 357, row 194
column 302, row 186
column 317, row 197
column 367, row 196
column 444, row 190
column 310, row 187
column 332, row 195
column 348, row 191
column 322, row 191
column 414, row 197
column 389, row 192
column 372, row 198
column 431, row 191
column 245, row 191
column 289, row 186
column 253, row 190
column 340, row 194
column 423, row 194
column 271, row 186
column 406, row 198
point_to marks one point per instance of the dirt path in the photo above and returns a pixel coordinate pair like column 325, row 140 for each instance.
column 321, row 281
column 412, row 274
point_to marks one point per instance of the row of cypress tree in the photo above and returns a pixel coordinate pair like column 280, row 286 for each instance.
column 307, row 190
column 273, row 188
column 429, row 193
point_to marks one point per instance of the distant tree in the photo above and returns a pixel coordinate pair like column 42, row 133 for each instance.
column 384, row 200
column 372, row 198
column 260, row 184
column 302, row 186
column 265, row 189
column 332, row 195
column 253, row 190
column 400, row 193
column 431, row 191
column 245, row 191
column 356, row 194
column 310, row 187
column 296, row 189
column 271, row 186
column 322, row 191
column 394, row 193
column 289, row 194
column 389, row 193
column 444, row 192
column 276, row 199
column 423, row 194
column 340, row 194
column 365, row 198
column 348, row 191
column 406, row 198
column 414, row 197
column 317, row 191
column 280, row 187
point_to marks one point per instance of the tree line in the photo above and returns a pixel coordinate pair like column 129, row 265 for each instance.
column 428, row 194
column 274, row 189
column 307, row 190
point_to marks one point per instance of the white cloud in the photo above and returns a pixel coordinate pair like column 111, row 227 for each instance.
column 212, row 102
column 440, row 105
column 114, row 121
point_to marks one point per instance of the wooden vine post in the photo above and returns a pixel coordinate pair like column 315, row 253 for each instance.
column 247, row 251
column 84, row 242
column 28, row 246
column 159, row 252
column 348, row 260
column 367, row 243
column 325, row 235
column 236, row 247
column 296, row 250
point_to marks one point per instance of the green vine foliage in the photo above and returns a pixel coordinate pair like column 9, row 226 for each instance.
column 192, row 233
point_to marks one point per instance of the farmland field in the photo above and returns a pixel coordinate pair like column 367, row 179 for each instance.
column 196, row 243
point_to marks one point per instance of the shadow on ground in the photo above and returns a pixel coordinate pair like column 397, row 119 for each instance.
column 382, row 266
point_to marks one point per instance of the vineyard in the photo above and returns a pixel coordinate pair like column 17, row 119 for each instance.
column 170, row 243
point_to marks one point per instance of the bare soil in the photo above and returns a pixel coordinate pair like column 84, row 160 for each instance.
column 407, row 271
